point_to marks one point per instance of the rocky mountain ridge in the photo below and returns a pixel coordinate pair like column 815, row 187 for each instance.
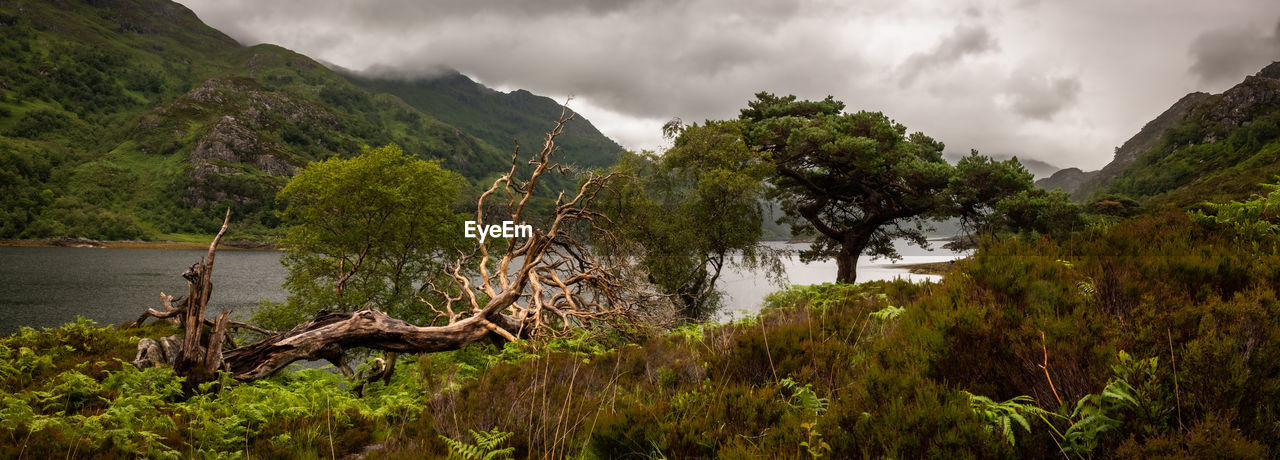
column 1202, row 139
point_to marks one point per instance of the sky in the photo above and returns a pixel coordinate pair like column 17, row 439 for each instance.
column 1057, row 81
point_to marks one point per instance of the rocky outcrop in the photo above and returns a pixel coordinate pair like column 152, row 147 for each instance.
column 224, row 156
column 1256, row 94
column 229, row 140
column 234, row 126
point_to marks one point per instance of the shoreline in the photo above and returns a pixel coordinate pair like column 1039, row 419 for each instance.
column 135, row 244
column 928, row 268
column 931, row 268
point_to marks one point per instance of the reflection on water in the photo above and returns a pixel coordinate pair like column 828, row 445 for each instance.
column 745, row 291
column 47, row 287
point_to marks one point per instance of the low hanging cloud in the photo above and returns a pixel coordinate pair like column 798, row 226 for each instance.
column 981, row 74
column 1037, row 97
column 651, row 59
column 1227, row 55
column 963, row 41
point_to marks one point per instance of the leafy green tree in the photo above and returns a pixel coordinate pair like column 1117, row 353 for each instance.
column 1044, row 212
column 1114, row 205
column 979, row 182
column 692, row 212
column 999, row 196
column 859, row 181
column 367, row 228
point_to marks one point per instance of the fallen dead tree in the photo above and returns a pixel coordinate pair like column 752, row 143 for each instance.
column 542, row 284
column 196, row 356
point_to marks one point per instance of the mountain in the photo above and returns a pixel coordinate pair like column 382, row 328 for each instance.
column 1205, row 147
column 1081, row 184
column 1070, row 180
column 498, row 117
column 133, row 119
column 1037, row 168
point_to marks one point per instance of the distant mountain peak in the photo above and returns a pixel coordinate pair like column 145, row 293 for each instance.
column 1080, row 184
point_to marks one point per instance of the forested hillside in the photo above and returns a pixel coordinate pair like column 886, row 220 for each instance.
column 132, row 119
column 494, row 116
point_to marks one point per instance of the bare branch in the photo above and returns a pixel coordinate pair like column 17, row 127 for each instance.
column 545, row 284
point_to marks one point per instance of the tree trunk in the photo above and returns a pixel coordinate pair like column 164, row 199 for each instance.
column 329, row 335
column 847, row 266
column 847, row 259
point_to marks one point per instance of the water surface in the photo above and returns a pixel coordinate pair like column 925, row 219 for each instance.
column 48, row 287
column 745, row 290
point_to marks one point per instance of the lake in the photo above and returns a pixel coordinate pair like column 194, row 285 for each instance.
column 49, row 286
column 745, row 291
column 46, row 287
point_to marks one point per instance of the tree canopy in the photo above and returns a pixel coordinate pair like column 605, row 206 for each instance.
column 692, row 212
column 365, row 228
column 858, row 181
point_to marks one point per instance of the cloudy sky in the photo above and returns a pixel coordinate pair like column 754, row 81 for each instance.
column 1062, row 82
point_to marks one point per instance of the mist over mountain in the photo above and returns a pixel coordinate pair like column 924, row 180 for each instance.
column 1037, row 168
column 133, row 119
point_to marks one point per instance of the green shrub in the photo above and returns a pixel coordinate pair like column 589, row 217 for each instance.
column 884, row 369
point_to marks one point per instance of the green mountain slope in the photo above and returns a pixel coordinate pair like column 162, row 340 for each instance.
column 132, row 119
column 1205, row 147
column 498, row 117
column 1222, row 149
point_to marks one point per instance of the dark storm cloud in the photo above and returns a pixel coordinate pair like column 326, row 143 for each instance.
column 1040, row 97
column 408, row 14
column 981, row 74
column 963, row 41
column 1227, row 55
column 623, row 54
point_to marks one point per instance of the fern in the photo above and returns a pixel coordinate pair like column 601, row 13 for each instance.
column 1003, row 415
column 1257, row 218
column 1118, row 403
column 888, row 313
column 1096, row 414
column 804, row 398
column 485, row 448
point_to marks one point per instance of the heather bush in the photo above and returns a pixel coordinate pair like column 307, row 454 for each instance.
column 1157, row 335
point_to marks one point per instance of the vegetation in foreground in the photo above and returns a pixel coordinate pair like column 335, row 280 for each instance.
column 1153, row 336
